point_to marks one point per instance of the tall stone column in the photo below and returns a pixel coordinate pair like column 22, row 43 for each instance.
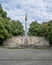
column 26, row 36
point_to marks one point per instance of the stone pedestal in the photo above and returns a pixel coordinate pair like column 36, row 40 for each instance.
column 31, row 40
column 26, row 42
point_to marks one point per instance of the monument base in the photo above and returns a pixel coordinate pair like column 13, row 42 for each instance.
column 26, row 42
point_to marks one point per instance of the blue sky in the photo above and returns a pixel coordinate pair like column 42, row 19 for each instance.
column 40, row 10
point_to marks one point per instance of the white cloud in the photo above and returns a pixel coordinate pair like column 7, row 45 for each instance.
column 40, row 10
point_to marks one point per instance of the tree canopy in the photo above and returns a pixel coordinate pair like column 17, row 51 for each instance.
column 43, row 30
column 17, row 28
column 34, row 28
column 8, row 27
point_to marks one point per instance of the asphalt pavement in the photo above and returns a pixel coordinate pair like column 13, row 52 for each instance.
column 25, row 56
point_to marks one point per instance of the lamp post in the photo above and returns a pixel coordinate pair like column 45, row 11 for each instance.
column 26, row 36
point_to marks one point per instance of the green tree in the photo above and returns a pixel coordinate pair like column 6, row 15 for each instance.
column 4, row 34
column 46, row 30
column 43, row 30
column 50, row 31
column 34, row 29
column 17, row 28
column 8, row 27
column 5, row 30
column 3, row 13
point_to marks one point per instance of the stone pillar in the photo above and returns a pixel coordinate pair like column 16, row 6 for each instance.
column 26, row 36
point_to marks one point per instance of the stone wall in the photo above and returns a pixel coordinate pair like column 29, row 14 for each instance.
column 19, row 40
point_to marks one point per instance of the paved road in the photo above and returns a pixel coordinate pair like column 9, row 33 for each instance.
column 25, row 56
